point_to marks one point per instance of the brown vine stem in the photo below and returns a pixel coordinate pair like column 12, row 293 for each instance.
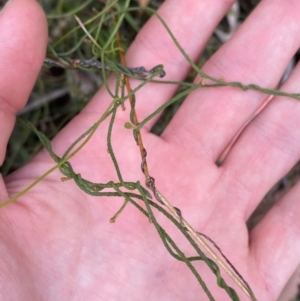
column 175, row 211
column 134, row 115
column 150, row 184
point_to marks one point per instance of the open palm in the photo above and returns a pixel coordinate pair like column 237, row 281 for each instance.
column 57, row 243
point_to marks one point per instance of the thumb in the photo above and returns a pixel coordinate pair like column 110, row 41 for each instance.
column 23, row 41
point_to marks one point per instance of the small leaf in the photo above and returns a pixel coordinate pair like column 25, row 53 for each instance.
column 129, row 125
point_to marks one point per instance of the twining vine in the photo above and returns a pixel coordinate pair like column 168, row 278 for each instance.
column 130, row 192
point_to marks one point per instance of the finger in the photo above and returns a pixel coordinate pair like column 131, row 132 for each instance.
column 268, row 148
column 23, row 40
column 258, row 53
column 275, row 243
column 192, row 23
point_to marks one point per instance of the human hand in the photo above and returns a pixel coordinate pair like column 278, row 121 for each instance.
column 56, row 241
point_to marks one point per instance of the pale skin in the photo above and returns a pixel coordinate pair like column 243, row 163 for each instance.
column 57, row 243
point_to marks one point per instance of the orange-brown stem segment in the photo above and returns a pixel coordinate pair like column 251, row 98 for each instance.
column 134, row 115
